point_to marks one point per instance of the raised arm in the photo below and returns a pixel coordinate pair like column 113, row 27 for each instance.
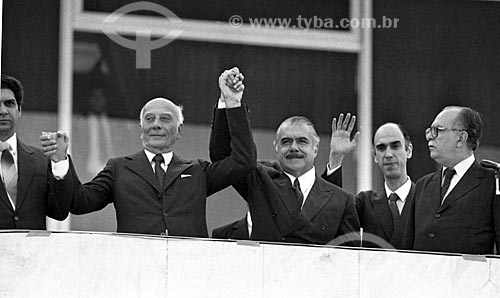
column 231, row 87
column 231, row 138
column 341, row 144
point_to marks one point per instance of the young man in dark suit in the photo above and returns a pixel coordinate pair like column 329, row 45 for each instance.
column 26, row 191
column 155, row 191
column 383, row 214
column 288, row 202
column 455, row 209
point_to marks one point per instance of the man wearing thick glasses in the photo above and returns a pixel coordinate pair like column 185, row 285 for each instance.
column 455, row 209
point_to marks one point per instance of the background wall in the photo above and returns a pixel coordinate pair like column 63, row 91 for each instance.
column 442, row 53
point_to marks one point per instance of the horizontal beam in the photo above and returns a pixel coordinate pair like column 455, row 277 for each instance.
column 216, row 31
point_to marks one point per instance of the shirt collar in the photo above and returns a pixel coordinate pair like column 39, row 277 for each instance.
column 306, row 180
column 166, row 156
column 462, row 166
column 402, row 191
column 12, row 141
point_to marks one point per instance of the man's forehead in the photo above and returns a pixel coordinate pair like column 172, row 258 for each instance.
column 446, row 117
column 7, row 93
column 295, row 131
column 159, row 107
column 388, row 134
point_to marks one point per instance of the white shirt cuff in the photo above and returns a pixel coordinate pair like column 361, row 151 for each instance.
column 60, row 168
column 331, row 171
column 221, row 104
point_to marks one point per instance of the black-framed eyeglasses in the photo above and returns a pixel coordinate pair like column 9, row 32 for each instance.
column 433, row 131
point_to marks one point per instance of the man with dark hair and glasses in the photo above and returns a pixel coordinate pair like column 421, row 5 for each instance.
column 455, row 209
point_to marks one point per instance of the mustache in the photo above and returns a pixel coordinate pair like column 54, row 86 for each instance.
column 294, row 155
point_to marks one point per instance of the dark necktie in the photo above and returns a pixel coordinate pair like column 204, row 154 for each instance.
column 394, row 209
column 9, row 173
column 159, row 172
column 448, row 174
column 298, row 192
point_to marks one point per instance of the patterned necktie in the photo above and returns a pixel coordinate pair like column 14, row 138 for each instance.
column 298, row 192
column 159, row 172
column 9, row 173
column 448, row 174
column 394, row 209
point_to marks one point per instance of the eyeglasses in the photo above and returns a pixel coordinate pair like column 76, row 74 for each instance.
column 433, row 131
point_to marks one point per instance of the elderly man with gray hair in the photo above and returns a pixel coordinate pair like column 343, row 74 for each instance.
column 155, row 191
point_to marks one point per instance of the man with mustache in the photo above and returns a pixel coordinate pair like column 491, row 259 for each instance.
column 288, row 201
column 455, row 209
column 26, row 191
column 155, row 191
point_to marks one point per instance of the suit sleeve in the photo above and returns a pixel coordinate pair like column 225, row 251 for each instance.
column 220, row 139
column 91, row 196
column 230, row 165
column 334, row 178
column 59, row 198
column 409, row 231
column 359, row 202
column 222, row 232
column 350, row 222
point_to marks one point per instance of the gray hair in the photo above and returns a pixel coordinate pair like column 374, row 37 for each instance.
column 300, row 120
column 178, row 109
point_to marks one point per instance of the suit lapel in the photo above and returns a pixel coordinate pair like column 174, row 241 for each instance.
column 397, row 234
column 408, row 200
column 318, row 197
column 4, row 198
column 382, row 212
column 25, row 169
column 287, row 195
column 469, row 181
column 140, row 165
column 175, row 168
column 433, row 192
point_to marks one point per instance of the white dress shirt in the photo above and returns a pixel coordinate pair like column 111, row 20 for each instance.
column 167, row 157
column 402, row 193
column 306, row 182
column 460, row 170
column 12, row 141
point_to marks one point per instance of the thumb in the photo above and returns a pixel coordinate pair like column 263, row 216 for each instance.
column 355, row 140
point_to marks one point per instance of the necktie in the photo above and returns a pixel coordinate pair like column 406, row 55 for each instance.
column 9, row 173
column 394, row 209
column 159, row 172
column 448, row 174
column 298, row 192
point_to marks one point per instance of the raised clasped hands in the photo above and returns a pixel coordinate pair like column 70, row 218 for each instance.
column 231, row 87
column 55, row 145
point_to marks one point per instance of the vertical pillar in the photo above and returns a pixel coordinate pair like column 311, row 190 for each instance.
column 365, row 81
column 65, row 101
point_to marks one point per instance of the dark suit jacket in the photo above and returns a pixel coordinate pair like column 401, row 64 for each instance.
column 328, row 211
column 375, row 217
column 467, row 222
column 235, row 230
column 35, row 193
column 142, row 207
